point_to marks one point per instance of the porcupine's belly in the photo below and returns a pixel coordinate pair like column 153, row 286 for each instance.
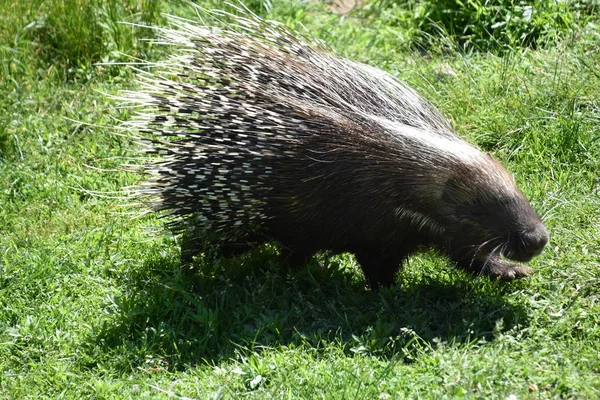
column 308, row 225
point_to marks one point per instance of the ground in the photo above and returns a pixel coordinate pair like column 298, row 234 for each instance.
column 93, row 304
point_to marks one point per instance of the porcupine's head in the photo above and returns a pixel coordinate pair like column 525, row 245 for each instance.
column 488, row 215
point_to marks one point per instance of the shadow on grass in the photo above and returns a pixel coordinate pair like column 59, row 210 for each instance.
column 165, row 319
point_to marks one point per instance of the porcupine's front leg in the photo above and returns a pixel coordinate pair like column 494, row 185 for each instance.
column 496, row 267
column 379, row 270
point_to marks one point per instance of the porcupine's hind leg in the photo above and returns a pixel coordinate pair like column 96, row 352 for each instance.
column 379, row 269
column 295, row 256
column 193, row 244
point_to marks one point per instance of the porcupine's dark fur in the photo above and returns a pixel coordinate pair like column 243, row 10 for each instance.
column 264, row 136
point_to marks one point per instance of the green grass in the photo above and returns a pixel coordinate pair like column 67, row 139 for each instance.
column 92, row 306
column 488, row 25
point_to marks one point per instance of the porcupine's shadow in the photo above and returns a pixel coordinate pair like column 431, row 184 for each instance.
column 251, row 302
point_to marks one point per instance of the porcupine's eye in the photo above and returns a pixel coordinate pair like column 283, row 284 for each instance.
column 491, row 215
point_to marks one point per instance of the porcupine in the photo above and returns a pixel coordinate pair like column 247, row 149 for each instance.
column 265, row 135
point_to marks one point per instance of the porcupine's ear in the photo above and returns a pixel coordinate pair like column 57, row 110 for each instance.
column 450, row 192
column 457, row 189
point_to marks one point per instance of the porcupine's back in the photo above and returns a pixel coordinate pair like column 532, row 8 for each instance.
column 239, row 117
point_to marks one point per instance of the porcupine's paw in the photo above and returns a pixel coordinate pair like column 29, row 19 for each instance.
column 506, row 270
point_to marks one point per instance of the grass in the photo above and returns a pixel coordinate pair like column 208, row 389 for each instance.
column 91, row 306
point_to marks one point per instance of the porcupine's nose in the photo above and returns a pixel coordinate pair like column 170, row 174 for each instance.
column 527, row 244
column 536, row 239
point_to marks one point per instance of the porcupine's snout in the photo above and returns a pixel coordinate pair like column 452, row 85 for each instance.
column 523, row 246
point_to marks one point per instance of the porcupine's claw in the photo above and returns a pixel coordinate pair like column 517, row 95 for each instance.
column 506, row 270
